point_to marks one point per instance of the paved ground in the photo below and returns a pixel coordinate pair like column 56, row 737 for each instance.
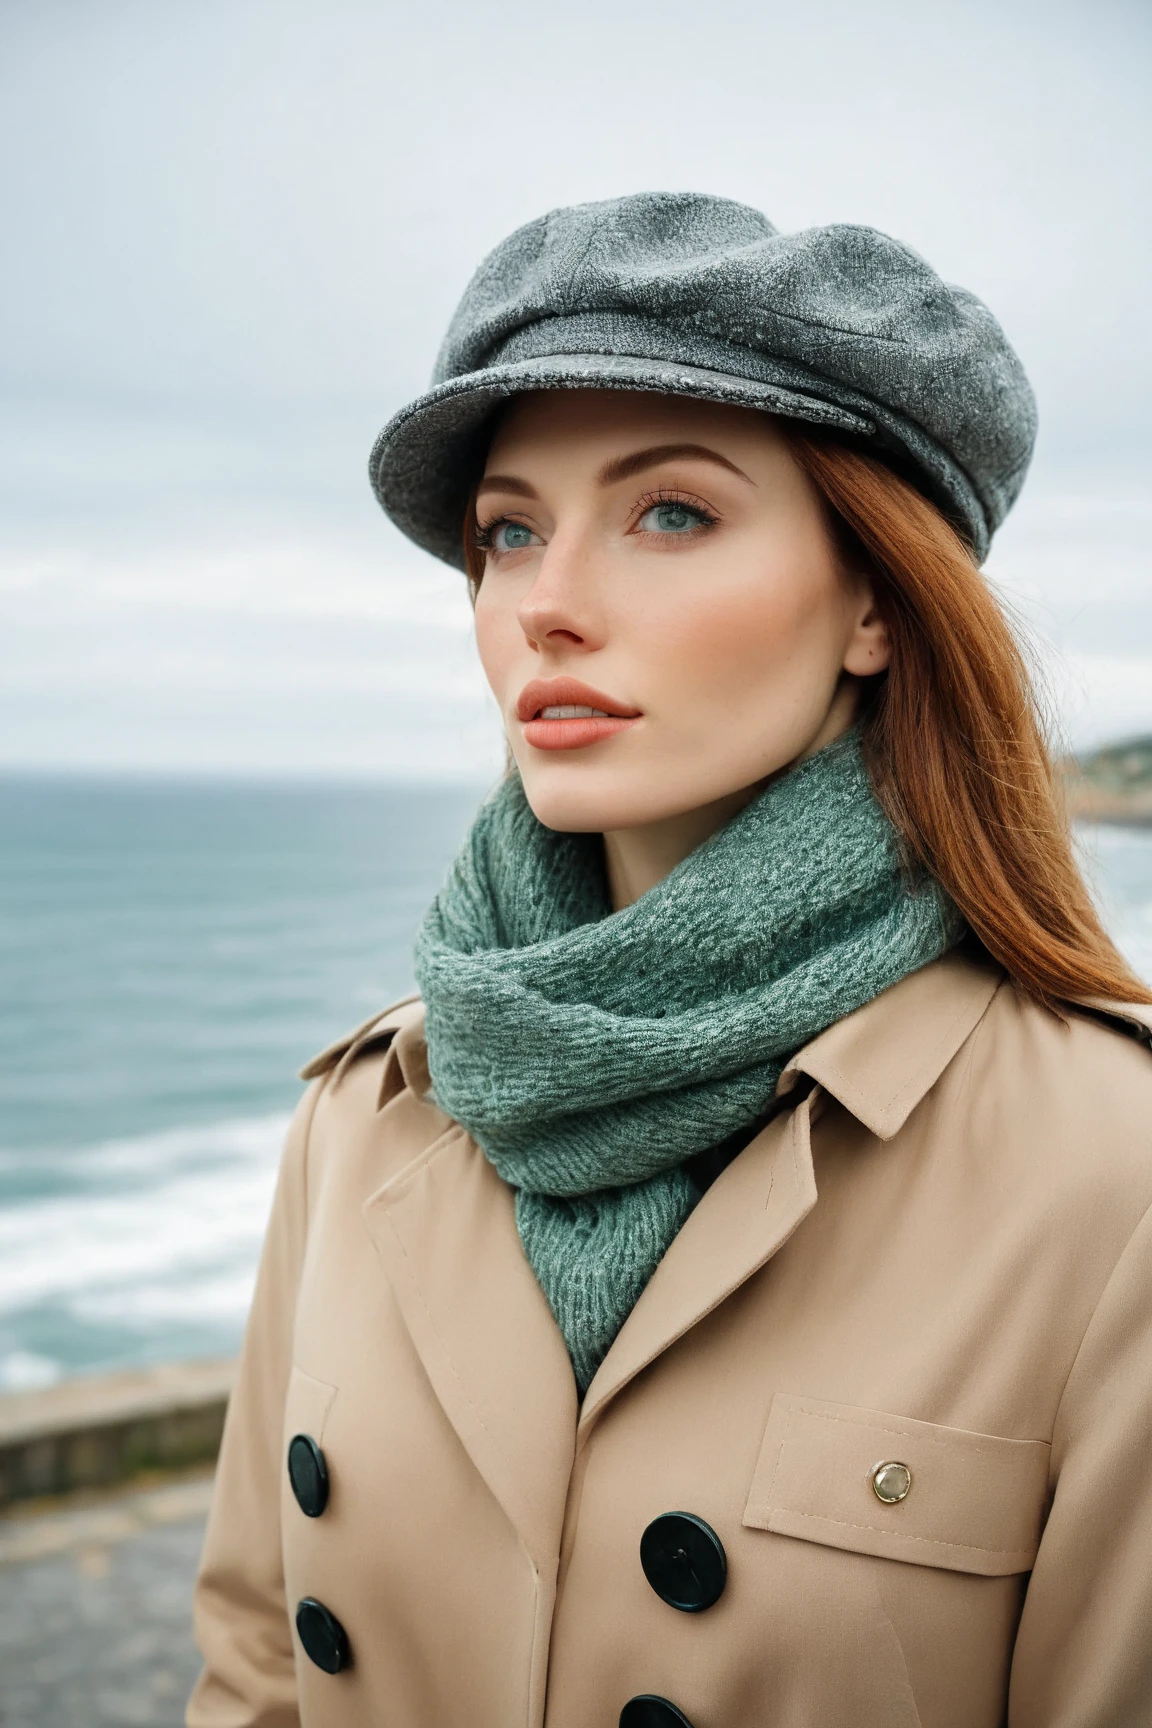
column 94, row 1608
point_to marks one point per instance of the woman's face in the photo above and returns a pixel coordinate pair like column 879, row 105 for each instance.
column 663, row 617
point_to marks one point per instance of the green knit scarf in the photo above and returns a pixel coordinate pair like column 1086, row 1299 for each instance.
column 591, row 1052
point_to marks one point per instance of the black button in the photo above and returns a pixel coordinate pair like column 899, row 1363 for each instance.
column 648, row 1711
column 683, row 1560
column 308, row 1474
column 323, row 1637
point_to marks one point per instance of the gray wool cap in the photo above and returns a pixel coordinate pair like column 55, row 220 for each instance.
column 689, row 295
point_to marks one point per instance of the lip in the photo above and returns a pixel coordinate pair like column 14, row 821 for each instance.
column 570, row 734
column 567, row 693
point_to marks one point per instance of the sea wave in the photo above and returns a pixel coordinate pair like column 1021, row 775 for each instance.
column 156, row 1154
column 173, row 1250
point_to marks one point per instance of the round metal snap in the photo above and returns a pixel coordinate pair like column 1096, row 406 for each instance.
column 684, row 1561
column 891, row 1481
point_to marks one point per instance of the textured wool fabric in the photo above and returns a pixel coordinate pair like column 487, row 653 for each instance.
column 591, row 1052
column 690, row 295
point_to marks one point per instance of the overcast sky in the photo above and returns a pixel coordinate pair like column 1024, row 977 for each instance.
column 235, row 229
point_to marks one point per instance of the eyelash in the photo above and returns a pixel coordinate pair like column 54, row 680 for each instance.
column 673, row 495
column 482, row 538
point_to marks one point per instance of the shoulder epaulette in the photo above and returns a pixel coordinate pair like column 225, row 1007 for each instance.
column 1134, row 1019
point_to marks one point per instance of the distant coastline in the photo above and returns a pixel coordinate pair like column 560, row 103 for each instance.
column 1113, row 784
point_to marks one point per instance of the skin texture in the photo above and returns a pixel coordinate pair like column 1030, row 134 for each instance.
column 702, row 592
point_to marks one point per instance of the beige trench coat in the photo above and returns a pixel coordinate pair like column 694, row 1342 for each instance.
column 940, row 1255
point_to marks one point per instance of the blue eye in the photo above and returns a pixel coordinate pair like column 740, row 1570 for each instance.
column 671, row 518
column 511, row 537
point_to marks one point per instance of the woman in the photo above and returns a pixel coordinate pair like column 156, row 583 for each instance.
column 727, row 1300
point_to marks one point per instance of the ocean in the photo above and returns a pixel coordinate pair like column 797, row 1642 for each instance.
column 171, row 954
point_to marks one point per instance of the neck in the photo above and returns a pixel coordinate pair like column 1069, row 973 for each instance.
column 638, row 858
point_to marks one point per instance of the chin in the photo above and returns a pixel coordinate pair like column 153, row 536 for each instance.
column 575, row 797
column 580, row 804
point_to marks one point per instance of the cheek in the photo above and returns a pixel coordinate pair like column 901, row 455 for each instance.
column 499, row 639
column 753, row 632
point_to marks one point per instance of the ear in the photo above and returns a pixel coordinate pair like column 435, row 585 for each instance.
column 868, row 650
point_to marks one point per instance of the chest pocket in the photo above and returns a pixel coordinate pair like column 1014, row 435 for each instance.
column 307, row 1406
column 877, row 1484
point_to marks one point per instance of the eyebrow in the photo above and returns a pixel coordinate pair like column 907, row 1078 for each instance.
column 623, row 468
column 506, row 483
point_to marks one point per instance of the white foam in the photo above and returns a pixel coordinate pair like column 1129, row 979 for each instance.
column 193, row 1223
column 223, row 1296
column 169, row 1149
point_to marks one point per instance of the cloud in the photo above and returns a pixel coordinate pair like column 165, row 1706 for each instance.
column 236, row 231
column 282, row 659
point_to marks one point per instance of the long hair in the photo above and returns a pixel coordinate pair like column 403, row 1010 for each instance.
column 952, row 733
column 953, row 738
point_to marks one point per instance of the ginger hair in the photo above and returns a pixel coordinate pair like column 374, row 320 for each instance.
column 953, row 736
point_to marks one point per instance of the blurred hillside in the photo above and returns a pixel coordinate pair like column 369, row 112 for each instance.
column 1113, row 784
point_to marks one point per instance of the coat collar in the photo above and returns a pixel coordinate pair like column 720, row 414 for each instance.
column 881, row 1061
column 445, row 1232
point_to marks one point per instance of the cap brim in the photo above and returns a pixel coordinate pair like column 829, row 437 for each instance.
column 426, row 459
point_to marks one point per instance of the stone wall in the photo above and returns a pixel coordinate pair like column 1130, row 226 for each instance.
column 97, row 1429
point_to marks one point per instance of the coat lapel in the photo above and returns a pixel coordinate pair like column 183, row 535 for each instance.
column 746, row 1216
column 878, row 1063
column 445, row 1231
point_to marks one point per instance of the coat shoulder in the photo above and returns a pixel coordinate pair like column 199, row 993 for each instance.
column 1132, row 1020
column 1099, row 1043
column 382, row 1062
column 1073, row 1087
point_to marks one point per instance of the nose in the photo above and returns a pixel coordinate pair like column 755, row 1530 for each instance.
column 560, row 609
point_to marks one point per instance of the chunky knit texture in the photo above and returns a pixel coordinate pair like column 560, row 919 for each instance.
column 590, row 1053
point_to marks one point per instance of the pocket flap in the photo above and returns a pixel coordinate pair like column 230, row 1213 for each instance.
column 973, row 1502
column 307, row 1405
